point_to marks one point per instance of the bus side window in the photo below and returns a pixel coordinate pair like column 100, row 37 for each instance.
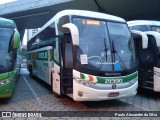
column 140, row 28
column 56, row 49
column 30, row 44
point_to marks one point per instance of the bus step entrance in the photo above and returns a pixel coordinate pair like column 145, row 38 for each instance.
column 68, row 90
column 145, row 77
column 68, row 85
column 148, row 84
column 67, row 81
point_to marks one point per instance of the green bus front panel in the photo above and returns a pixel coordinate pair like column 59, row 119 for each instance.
column 7, row 89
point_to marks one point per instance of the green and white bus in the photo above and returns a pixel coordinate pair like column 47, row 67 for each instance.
column 149, row 58
column 86, row 55
column 9, row 57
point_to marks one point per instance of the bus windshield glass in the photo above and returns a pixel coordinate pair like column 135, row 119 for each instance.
column 155, row 28
column 5, row 57
column 104, row 46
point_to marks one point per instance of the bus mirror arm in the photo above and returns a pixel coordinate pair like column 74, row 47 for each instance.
column 156, row 35
column 144, row 38
column 74, row 32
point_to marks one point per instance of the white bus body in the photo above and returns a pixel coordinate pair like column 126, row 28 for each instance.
column 79, row 54
column 149, row 76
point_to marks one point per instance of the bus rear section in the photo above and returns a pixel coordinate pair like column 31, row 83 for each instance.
column 148, row 58
column 9, row 59
column 93, row 56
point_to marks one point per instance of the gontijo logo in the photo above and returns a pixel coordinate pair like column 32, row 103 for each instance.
column 43, row 55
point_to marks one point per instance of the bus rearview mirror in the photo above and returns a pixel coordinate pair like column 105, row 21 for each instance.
column 16, row 40
column 156, row 35
column 144, row 38
column 74, row 32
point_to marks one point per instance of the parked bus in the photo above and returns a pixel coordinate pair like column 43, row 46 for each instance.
column 9, row 56
column 144, row 25
column 85, row 55
column 149, row 58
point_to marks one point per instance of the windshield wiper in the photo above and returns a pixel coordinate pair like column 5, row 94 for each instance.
column 114, row 51
column 105, row 49
column 102, row 57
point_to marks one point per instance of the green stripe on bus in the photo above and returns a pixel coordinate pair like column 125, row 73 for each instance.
column 124, row 79
column 108, row 80
column 6, row 75
column 41, row 55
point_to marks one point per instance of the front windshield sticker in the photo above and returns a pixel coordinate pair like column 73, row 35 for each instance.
column 91, row 22
column 117, row 67
column 84, row 59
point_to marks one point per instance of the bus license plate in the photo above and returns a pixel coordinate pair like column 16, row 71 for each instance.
column 113, row 94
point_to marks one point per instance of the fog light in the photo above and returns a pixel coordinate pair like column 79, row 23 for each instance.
column 133, row 81
column 7, row 91
column 84, row 82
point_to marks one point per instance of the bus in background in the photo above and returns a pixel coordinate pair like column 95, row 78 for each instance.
column 149, row 58
column 10, row 57
column 85, row 55
column 144, row 25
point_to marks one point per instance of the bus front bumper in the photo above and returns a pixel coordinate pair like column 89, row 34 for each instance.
column 84, row 93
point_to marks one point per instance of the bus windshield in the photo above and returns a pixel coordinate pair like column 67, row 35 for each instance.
column 155, row 28
column 5, row 57
column 104, row 46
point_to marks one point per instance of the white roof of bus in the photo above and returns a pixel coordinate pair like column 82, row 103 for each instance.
column 81, row 13
column 143, row 22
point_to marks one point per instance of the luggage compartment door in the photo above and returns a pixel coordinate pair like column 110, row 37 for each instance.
column 156, row 79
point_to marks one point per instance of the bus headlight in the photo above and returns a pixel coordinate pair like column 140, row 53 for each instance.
column 85, row 82
column 133, row 81
column 6, row 81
